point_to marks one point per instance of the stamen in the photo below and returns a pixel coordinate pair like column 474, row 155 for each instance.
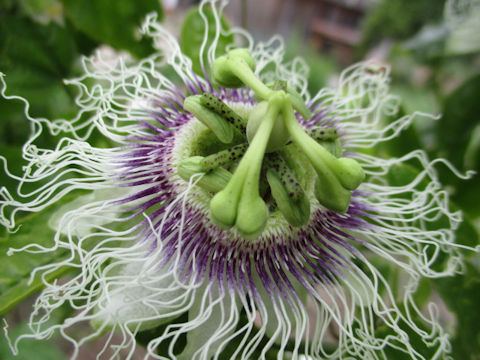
column 223, row 157
column 222, row 109
column 335, row 176
column 323, row 133
column 287, row 191
column 328, row 138
column 274, row 162
column 214, row 180
column 219, row 126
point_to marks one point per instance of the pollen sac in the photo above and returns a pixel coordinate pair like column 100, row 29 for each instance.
column 223, row 157
column 331, row 195
column 349, row 173
column 222, row 67
column 213, row 181
column 277, row 164
column 334, row 147
column 252, row 216
column 295, row 208
column 279, row 135
column 328, row 138
column 222, row 109
column 323, row 133
column 219, row 126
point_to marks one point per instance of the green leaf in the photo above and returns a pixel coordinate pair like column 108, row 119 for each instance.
column 415, row 339
column 15, row 270
column 14, row 129
column 461, row 116
column 115, row 23
column 193, row 33
column 29, row 348
column 462, row 295
column 402, row 174
column 36, row 59
column 144, row 337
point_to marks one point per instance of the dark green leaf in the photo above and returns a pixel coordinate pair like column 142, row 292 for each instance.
column 406, row 141
column 398, row 19
column 415, row 339
column 401, row 174
column 30, row 349
column 14, row 128
column 36, row 59
column 455, row 129
column 461, row 114
column 462, row 295
column 193, row 34
column 113, row 22
column 144, row 337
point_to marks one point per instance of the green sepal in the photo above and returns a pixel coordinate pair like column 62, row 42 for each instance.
column 219, row 126
column 213, row 181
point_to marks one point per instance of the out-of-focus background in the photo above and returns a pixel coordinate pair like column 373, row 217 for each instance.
column 431, row 46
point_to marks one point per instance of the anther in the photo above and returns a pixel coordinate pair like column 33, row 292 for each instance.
column 224, row 157
column 219, row 126
column 222, row 109
column 274, row 162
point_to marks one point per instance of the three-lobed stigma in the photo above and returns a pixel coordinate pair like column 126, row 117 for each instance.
column 257, row 170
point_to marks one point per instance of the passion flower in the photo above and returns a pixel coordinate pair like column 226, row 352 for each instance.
column 202, row 224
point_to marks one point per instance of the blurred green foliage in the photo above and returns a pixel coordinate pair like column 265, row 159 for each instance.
column 322, row 68
column 399, row 19
column 41, row 42
column 192, row 37
column 30, row 349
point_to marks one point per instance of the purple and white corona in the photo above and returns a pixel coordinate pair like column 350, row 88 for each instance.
column 239, row 199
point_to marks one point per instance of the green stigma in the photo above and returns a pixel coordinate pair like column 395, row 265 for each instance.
column 258, row 169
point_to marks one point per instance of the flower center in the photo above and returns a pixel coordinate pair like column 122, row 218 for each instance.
column 254, row 162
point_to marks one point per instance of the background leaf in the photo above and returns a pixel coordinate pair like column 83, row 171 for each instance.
column 36, row 59
column 113, row 22
column 192, row 35
column 462, row 295
column 30, row 349
column 455, row 131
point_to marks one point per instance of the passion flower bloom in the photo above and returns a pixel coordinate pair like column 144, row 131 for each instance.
column 234, row 208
